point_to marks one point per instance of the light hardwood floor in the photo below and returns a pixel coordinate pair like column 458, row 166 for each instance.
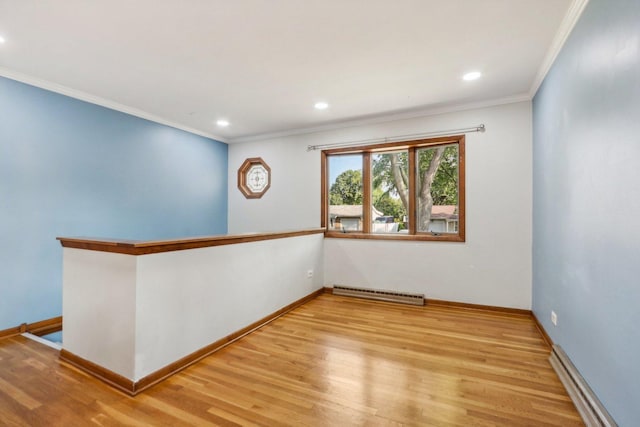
column 334, row 361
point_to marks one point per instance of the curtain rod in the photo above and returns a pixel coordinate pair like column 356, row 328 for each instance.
column 399, row 138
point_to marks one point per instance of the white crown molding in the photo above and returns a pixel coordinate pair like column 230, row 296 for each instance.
column 573, row 14
column 83, row 96
column 570, row 19
column 383, row 118
column 422, row 112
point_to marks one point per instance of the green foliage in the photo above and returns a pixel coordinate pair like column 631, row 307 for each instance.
column 383, row 174
column 390, row 182
column 444, row 189
column 437, row 169
column 347, row 190
column 389, row 206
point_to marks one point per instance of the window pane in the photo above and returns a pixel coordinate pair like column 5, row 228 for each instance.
column 437, row 189
column 345, row 192
column 389, row 192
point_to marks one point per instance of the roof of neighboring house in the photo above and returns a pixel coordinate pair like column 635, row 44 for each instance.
column 444, row 212
column 350, row 211
column 355, row 211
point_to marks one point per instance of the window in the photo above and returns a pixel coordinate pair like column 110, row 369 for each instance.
column 406, row 191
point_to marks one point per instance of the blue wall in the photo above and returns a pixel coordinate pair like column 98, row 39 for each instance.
column 586, row 207
column 70, row 168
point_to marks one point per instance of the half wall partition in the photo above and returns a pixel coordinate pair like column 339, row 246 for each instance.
column 135, row 312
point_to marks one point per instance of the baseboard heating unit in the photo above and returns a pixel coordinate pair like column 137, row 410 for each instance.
column 592, row 411
column 380, row 295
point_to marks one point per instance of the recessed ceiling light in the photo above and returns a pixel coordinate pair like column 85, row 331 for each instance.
column 222, row 123
column 2, row 40
column 474, row 75
column 321, row 105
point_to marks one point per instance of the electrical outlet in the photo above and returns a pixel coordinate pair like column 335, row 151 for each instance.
column 554, row 318
column 309, row 274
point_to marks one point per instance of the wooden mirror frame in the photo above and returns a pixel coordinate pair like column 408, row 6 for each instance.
column 242, row 178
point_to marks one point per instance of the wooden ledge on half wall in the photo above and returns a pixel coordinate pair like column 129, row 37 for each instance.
column 145, row 247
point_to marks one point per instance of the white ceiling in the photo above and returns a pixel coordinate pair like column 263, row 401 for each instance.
column 262, row 64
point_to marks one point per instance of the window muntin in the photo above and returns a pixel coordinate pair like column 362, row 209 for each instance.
column 410, row 190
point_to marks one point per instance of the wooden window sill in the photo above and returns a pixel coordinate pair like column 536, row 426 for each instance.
column 422, row 237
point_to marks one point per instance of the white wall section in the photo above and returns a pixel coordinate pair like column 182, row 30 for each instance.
column 493, row 267
column 189, row 299
column 99, row 308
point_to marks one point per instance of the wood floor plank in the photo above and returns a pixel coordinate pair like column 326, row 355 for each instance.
column 110, row 416
column 18, row 395
column 335, row 361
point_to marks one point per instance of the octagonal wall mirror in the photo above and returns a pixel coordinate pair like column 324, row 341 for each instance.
column 254, row 178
